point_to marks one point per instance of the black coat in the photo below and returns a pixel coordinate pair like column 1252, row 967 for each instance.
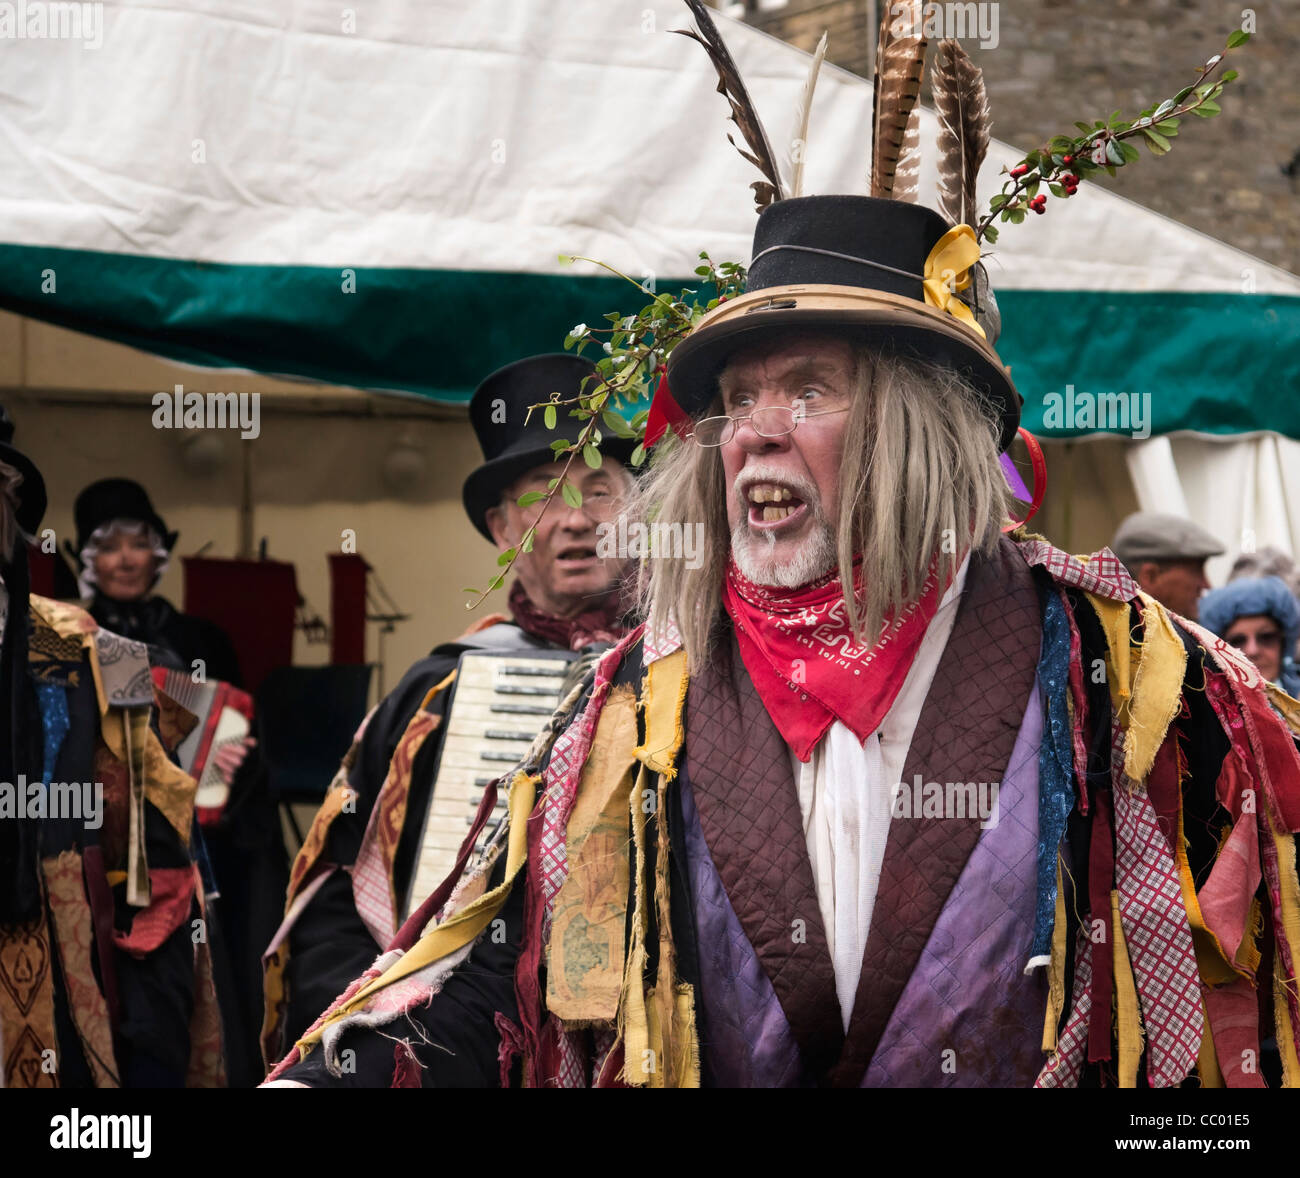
column 178, row 639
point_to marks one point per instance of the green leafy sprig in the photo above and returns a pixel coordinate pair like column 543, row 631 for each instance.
column 632, row 357
column 1104, row 146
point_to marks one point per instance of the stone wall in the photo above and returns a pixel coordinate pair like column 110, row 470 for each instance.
column 1235, row 177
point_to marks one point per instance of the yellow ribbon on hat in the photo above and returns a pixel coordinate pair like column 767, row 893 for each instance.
column 947, row 270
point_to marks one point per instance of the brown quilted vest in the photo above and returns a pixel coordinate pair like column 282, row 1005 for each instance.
column 748, row 804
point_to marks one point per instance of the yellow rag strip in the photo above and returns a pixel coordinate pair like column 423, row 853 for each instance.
column 1283, row 703
column 665, row 699
column 1289, row 895
column 585, row 959
column 673, row 1024
column 1157, row 689
column 1056, row 969
column 1207, row 1060
column 1145, row 693
column 1128, row 1022
column 1114, row 619
column 1282, row 1029
column 460, row 929
column 639, row 1062
column 656, row 1026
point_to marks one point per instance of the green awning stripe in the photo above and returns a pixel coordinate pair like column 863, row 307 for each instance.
column 1217, row 363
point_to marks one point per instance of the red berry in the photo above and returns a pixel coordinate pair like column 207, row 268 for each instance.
column 1069, row 159
column 1019, row 170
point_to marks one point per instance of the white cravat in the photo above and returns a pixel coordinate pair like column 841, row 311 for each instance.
column 845, row 795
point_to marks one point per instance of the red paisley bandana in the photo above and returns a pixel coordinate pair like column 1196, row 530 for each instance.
column 799, row 651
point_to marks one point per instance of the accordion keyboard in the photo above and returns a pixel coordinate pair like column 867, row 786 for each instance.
column 500, row 702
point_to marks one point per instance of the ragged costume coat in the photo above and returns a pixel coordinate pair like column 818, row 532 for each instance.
column 105, row 976
column 646, row 913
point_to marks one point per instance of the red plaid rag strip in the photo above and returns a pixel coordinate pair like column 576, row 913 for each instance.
column 662, row 642
column 1102, row 573
column 1079, row 696
column 563, row 774
column 1159, row 936
column 1065, row 1064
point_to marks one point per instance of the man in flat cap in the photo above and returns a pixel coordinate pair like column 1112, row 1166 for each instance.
column 1166, row 556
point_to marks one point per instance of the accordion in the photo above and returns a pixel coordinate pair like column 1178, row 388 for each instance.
column 500, row 701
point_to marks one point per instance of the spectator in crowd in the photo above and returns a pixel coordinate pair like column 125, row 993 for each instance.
column 123, row 549
column 1261, row 618
column 1166, row 555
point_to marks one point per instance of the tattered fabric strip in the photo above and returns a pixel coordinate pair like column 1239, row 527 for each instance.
column 1065, row 1065
column 1280, row 872
column 1055, row 779
column 453, row 934
column 1078, row 693
column 1158, row 935
column 1101, row 878
column 1233, row 1011
column 1102, row 573
column 562, row 775
column 74, row 941
column 1128, row 1022
column 1229, row 696
column 53, row 701
column 1157, row 690
column 549, row 867
column 372, row 878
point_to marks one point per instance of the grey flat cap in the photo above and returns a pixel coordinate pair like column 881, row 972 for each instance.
column 1151, row 535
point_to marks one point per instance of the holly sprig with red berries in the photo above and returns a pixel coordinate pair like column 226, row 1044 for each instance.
column 1104, row 146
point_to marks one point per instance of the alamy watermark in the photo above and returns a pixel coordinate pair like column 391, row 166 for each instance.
column 124, row 1131
column 952, row 799
column 181, row 410
column 52, row 20
column 963, row 21
column 1117, row 412
column 618, row 539
column 82, row 801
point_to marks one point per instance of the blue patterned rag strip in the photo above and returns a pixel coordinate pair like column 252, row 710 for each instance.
column 1055, row 766
column 53, row 700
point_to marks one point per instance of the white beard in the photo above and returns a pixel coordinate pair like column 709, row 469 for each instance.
column 753, row 554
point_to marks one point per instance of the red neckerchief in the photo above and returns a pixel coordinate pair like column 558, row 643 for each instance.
column 800, row 653
column 602, row 623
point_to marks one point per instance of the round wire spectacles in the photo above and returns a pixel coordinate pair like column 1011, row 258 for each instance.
column 772, row 421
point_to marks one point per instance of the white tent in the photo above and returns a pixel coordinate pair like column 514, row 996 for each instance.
column 379, row 197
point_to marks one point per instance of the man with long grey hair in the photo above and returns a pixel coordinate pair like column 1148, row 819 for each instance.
column 878, row 795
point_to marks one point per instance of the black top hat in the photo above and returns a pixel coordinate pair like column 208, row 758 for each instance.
column 854, row 264
column 31, row 492
column 110, row 499
column 510, row 447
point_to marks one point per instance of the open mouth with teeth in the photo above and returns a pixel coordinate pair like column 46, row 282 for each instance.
column 576, row 554
column 773, row 506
